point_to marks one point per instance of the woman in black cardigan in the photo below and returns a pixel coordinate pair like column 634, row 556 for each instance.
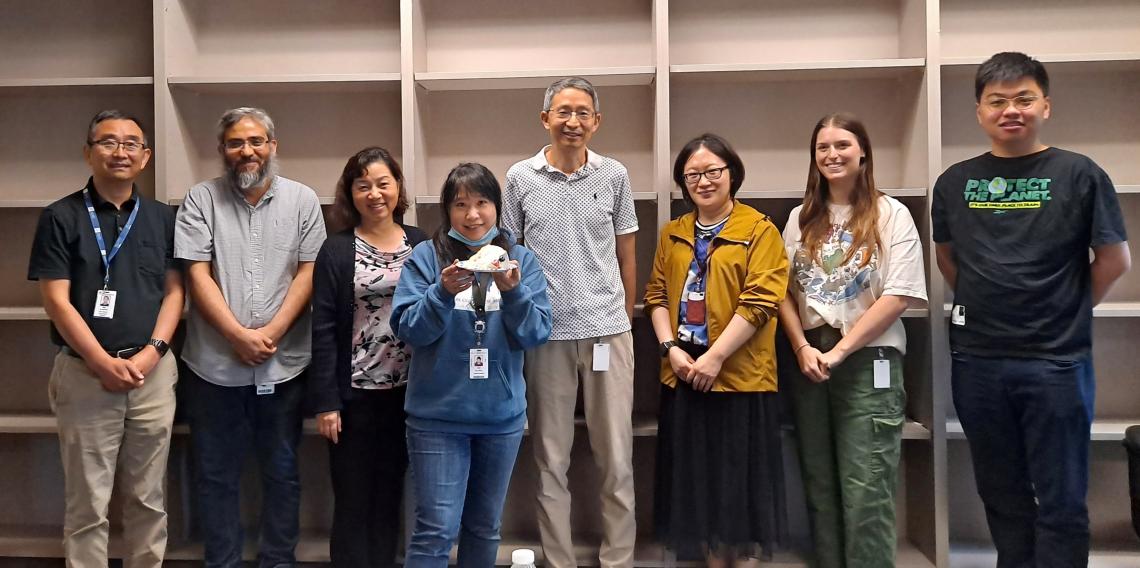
column 360, row 369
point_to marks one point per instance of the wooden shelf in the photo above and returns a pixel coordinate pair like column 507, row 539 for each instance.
column 1093, row 57
column 1102, row 430
column 74, row 82
column 532, row 78
column 977, row 555
column 798, row 70
column 332, row 82
column 637, row 196
column 23, row 313
column 799, row 193
column 1104, row 310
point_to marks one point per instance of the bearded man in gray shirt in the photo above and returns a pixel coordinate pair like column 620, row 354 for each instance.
column 249, row 239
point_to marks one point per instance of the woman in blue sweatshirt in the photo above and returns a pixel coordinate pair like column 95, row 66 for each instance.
column 466, row 398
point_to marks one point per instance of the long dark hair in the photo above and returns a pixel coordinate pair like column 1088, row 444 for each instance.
column 344, row 213
column 815, row 219
column 476, row 179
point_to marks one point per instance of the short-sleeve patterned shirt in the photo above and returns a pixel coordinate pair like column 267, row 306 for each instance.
column 571, row 223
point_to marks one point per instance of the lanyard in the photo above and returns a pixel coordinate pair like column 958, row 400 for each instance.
column 479, row 304
column 108, row 257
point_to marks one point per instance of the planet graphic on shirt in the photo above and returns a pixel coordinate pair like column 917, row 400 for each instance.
column 997, row 186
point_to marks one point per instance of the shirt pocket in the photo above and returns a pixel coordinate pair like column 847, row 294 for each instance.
column 285, row 239
column 151, row 258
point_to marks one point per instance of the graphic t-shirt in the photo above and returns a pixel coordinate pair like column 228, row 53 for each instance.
column 830, row 291
column 697, row 333
column 1021, row 229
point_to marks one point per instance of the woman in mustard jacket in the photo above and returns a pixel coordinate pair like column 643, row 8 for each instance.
column 719, row 275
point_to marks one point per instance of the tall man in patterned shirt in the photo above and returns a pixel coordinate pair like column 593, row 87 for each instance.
column 574, row 209
column 249, row 239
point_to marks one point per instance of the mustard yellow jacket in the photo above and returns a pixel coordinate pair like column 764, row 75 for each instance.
column 747, row 275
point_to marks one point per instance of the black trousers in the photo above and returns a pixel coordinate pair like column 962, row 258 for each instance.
column 368, row 467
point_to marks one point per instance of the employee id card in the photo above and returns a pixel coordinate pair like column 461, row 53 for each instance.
column 479, row 362
column 265, row 389
column 601, row 357
column 104, row 304
column 882, row 369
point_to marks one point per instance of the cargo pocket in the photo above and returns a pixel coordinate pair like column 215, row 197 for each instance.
column 883, row 455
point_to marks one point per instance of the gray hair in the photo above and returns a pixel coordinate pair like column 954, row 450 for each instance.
column 570, row 83
column 113, row 114
column 235, row 115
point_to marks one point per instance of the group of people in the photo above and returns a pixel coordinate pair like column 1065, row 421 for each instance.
column 411, row 358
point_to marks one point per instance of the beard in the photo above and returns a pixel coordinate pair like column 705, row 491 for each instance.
column 246, row 180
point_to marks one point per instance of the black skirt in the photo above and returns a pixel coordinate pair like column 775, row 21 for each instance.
column 720, row 474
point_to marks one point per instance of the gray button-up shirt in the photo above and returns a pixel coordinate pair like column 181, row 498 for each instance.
column 255, row 251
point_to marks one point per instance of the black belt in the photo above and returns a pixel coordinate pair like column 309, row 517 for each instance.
column 120, row 354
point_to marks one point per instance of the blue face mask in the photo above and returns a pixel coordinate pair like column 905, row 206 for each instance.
column 490, row 236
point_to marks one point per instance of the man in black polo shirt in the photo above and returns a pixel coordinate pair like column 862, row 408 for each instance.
column 104, row 259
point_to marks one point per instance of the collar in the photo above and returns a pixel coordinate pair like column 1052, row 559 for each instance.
column 738, row 228
column 539, row 163
column 100, row 203
column 237, row 193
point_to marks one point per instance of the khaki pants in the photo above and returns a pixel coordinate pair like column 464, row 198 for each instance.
column 101, row 433
column 553, row 372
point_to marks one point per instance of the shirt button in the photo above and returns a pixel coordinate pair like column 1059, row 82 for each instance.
column 254, row 235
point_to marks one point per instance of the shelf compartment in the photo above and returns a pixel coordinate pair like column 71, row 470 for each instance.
column 215, row 37
column 773, row 141
column 1082, row 97
column 456, row 125
column 317, row 132
column 1051, row 27
column 532, row 78
column 738, row 31
column 56, row 82
column 59, row 38
column 493, row 36
column 41, row 156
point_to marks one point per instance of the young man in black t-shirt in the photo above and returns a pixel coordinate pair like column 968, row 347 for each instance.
column 1013, row 229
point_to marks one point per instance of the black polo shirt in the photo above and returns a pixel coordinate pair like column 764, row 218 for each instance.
column 65, row 248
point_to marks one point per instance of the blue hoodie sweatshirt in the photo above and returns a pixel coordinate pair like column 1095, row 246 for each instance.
column 440, row 396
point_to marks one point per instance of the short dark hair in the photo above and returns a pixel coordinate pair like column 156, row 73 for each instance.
column 722, row 149
column 475, row 178
column 1010, row 66
column 112, row 114
column 344, row 213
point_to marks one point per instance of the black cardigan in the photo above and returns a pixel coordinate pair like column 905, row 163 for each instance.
column 330, row 373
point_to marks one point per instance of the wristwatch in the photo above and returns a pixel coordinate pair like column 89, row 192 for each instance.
column 665, row 347
column 159, row 345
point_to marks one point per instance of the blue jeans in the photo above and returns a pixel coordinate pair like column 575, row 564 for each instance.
column 459, row 484
column 1027, row 422
column 224, row 423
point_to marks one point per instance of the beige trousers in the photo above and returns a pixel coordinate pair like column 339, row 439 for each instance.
column 101, row 434
column 553, row 372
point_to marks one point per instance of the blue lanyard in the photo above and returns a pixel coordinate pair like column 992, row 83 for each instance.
column 107, row 258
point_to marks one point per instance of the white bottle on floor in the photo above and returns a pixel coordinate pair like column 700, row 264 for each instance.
column 522, row 558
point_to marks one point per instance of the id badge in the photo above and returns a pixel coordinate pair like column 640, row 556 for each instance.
column 479, row 362
column 958, row 315
column 105, row 304
column 695, row 308
column 265, row 389
column 601, row 356
column 882, row 369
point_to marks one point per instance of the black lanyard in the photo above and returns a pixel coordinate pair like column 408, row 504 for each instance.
column 479, row 304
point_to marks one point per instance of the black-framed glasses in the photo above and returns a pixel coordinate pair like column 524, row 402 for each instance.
column 564, row 114
column 255, row 143
column 109, row 145
column 713, row 174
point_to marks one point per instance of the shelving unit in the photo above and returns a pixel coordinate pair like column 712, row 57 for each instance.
column 438, row 82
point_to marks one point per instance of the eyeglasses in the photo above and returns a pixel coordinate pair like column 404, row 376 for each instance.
column 109, row 145
column 713, row 174
column 1019, row 103
column 564, row 114
column 255, row 143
